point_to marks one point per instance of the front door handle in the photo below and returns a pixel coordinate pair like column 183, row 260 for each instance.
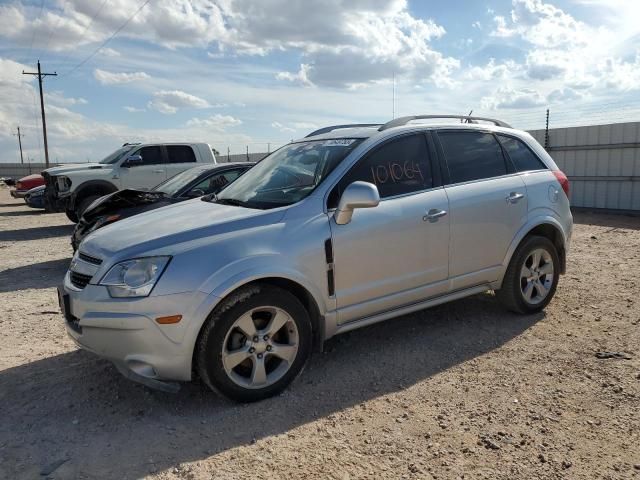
column 158, row 171
column 515, row 197
column 433, row 215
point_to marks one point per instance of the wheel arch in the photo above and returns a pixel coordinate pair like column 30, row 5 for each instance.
column 547, row 227
column 302, row 293
column 91, row 187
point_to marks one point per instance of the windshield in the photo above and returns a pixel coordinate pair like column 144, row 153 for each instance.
column 175, row 183
column 115, row 156
column 288, row 175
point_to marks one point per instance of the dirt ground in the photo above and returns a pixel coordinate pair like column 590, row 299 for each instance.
column 465, row 390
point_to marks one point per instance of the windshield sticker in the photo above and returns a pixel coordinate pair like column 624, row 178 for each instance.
column 339, row 142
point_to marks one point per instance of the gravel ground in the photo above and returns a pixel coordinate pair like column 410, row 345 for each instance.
column 464, row 390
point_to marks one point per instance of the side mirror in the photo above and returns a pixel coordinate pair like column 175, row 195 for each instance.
column 356, row 195
column 195, row 193
column 132, row 160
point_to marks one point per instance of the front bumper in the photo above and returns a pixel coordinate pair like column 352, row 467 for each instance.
column 18, row 193
column 125, row 332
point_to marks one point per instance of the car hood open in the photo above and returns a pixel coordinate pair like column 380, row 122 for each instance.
column 121, row 199
column 169, row 229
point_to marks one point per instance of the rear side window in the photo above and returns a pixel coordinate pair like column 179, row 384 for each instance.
column 398, row 167
column 521, row 155
column 180, row 154
column 472, row 156
column 150, row 155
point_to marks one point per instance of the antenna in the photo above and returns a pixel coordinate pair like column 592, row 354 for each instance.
column 393, row 113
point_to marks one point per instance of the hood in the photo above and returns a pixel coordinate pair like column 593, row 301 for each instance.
column 121, row 199
column 75, row 167
column 176, row 226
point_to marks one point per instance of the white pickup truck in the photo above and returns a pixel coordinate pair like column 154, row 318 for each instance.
column 72, row 188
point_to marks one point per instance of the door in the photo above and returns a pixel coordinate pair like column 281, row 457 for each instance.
column 396, row 253
column 146, row 174
column 179, row 158
column 488, row 205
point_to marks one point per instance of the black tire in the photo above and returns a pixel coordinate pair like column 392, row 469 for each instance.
column 71, row 215
column 511, row 294
column 210, row 345
column 84, row 204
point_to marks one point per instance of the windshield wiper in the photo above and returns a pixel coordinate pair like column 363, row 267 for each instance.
column 213, row 198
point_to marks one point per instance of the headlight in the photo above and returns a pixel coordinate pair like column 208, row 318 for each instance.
column 64, row 183
column 134, row 278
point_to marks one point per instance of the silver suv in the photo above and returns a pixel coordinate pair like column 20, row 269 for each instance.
column 352, row 225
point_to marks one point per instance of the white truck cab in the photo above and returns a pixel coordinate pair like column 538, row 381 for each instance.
column 71, row 188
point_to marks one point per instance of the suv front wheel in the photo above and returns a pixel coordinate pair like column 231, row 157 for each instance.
column 532, row 276
column 254, row 344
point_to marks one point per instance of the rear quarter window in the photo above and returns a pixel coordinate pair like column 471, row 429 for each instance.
column 521, row 155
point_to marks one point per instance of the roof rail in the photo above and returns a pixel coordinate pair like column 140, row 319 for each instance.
column 336, row 127
column 404, row 120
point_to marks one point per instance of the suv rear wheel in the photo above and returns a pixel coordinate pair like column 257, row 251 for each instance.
column 532, row 276
column 84, row 204
column 254, row 344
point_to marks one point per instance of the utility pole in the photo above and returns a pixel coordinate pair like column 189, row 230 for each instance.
column 44, row 122
column 19, row 135
column 228, row 154
column 247, row 153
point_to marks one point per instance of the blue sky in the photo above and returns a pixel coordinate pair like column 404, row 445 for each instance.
column 259, row 73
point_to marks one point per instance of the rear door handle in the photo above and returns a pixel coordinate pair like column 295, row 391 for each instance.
column 515, row 197
column 433, row 215
column 158, row 171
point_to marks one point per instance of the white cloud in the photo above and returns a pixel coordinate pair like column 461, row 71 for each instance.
column 134, row 109
column 368, row 39
column 301, row 77
column 294, row 126
column 507, row 97
column 118, row 78
column 216, row 122
column 170, row 101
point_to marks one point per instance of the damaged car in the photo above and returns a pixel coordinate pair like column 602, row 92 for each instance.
column 192, row 183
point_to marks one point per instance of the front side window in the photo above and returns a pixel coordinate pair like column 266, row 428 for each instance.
column 288, row 175
column 397, row 167
column 180, row 154
column 175, row 183
column 521, row 155
column 472, row 155
column 150, row 155
column 115, row 156
column 217, row 182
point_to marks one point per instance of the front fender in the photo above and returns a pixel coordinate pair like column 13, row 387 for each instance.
column 236, row 274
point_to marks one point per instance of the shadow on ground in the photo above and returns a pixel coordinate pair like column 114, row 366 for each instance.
column 22, row 213
column 615, row 221
column 35, row 275
column 36, row 233
column 77, row 408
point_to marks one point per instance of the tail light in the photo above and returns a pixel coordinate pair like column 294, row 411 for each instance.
column 563, row 180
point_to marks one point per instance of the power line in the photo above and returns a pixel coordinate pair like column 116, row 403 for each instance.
column 35, row 29
column 86, row 28
column 103, row 44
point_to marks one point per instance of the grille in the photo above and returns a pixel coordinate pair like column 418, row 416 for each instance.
column 79, row 280
column 89, row 259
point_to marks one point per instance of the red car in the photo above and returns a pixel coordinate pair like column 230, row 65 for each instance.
column 25, row 184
